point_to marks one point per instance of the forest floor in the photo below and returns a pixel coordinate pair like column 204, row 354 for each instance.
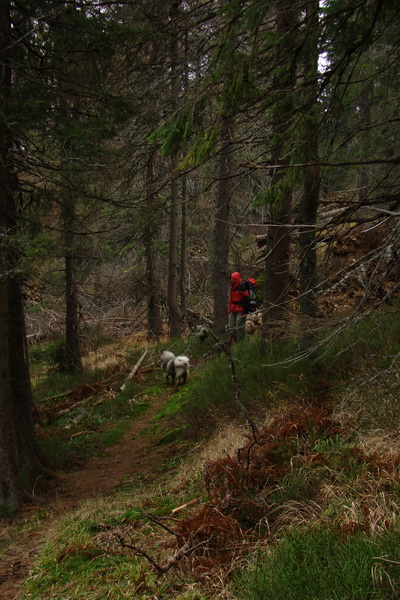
column 135, row 454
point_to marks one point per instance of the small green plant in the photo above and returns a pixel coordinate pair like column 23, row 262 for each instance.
column 53, row 353
column 300, row 484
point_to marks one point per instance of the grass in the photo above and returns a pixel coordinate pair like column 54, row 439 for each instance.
column 322, row 564
column 262, row 380
column 284, row 375
column 84, row 557
column 172, row 435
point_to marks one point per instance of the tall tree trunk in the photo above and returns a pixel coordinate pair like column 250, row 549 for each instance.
column 183, row 247
column 175, row 315
column 154, row 320
column 30, row 455
column 73, row 348
column 310, row 198
column 277, row 265
column 10, row 482
column 365, row 118
column 223, row 200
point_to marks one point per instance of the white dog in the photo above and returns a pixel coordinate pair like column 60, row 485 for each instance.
column 176, row 367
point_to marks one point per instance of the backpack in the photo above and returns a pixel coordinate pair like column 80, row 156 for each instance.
column 252, row 287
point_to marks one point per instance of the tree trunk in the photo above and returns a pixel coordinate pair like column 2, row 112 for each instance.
column 73, row 349
column 10, row 483
column 183, row 247
column 310, row 198
column 175, row 315
column 223, row 199
column 154, row 320
column 30, row 455
column 365, row 117
column 182, row 286
column 277, row 267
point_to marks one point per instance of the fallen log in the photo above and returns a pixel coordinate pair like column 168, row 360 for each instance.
column 133, row 371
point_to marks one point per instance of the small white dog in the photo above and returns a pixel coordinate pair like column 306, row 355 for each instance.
column 176, row 367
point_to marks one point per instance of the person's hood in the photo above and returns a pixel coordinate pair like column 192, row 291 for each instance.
column 235, row 279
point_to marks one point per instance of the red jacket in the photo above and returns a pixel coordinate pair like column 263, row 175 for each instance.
column 239, row 299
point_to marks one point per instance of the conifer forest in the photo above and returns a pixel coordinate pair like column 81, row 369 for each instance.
column 150, row 148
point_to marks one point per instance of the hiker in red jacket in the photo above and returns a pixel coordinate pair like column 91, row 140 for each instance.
column 239, row 307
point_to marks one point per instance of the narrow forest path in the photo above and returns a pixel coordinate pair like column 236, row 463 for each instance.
column 134, row 454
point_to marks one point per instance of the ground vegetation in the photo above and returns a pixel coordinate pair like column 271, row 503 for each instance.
column 174, row 492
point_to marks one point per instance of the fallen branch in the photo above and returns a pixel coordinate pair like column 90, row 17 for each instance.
column 71, row 407
column 79, row 433
column 161, row 524
column 86, row 389
column 190, row 503
column 77, row 419
column 171, row 562
column 199, row 317
column 179, row 554
column 62, row 395
column 140, row 552
column 133, row 371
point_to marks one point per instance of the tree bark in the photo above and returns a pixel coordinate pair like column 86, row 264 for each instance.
column 277, row 267
column 10, row 482
column 73, row 347
column 310, row 198
column 183, row 247
column 154, row 320
column 365, row 117
column 30, row 454
column 223, row 199
column 175, row 315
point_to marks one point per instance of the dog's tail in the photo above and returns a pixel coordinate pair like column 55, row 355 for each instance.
column 181, row 366
column 165, row 357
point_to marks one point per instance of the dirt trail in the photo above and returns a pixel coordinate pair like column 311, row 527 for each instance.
column 134, row 454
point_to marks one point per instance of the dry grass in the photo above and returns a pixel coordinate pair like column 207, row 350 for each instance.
column 225, row 441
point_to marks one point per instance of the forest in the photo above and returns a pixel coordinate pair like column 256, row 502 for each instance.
column 149, row 149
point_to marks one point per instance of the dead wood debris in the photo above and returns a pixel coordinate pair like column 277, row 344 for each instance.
column 186, row 505
column 65, row 402
column 134, row 370
column 172, row 561
column 208, row 537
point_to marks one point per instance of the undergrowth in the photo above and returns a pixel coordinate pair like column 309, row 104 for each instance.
column 306, row 509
